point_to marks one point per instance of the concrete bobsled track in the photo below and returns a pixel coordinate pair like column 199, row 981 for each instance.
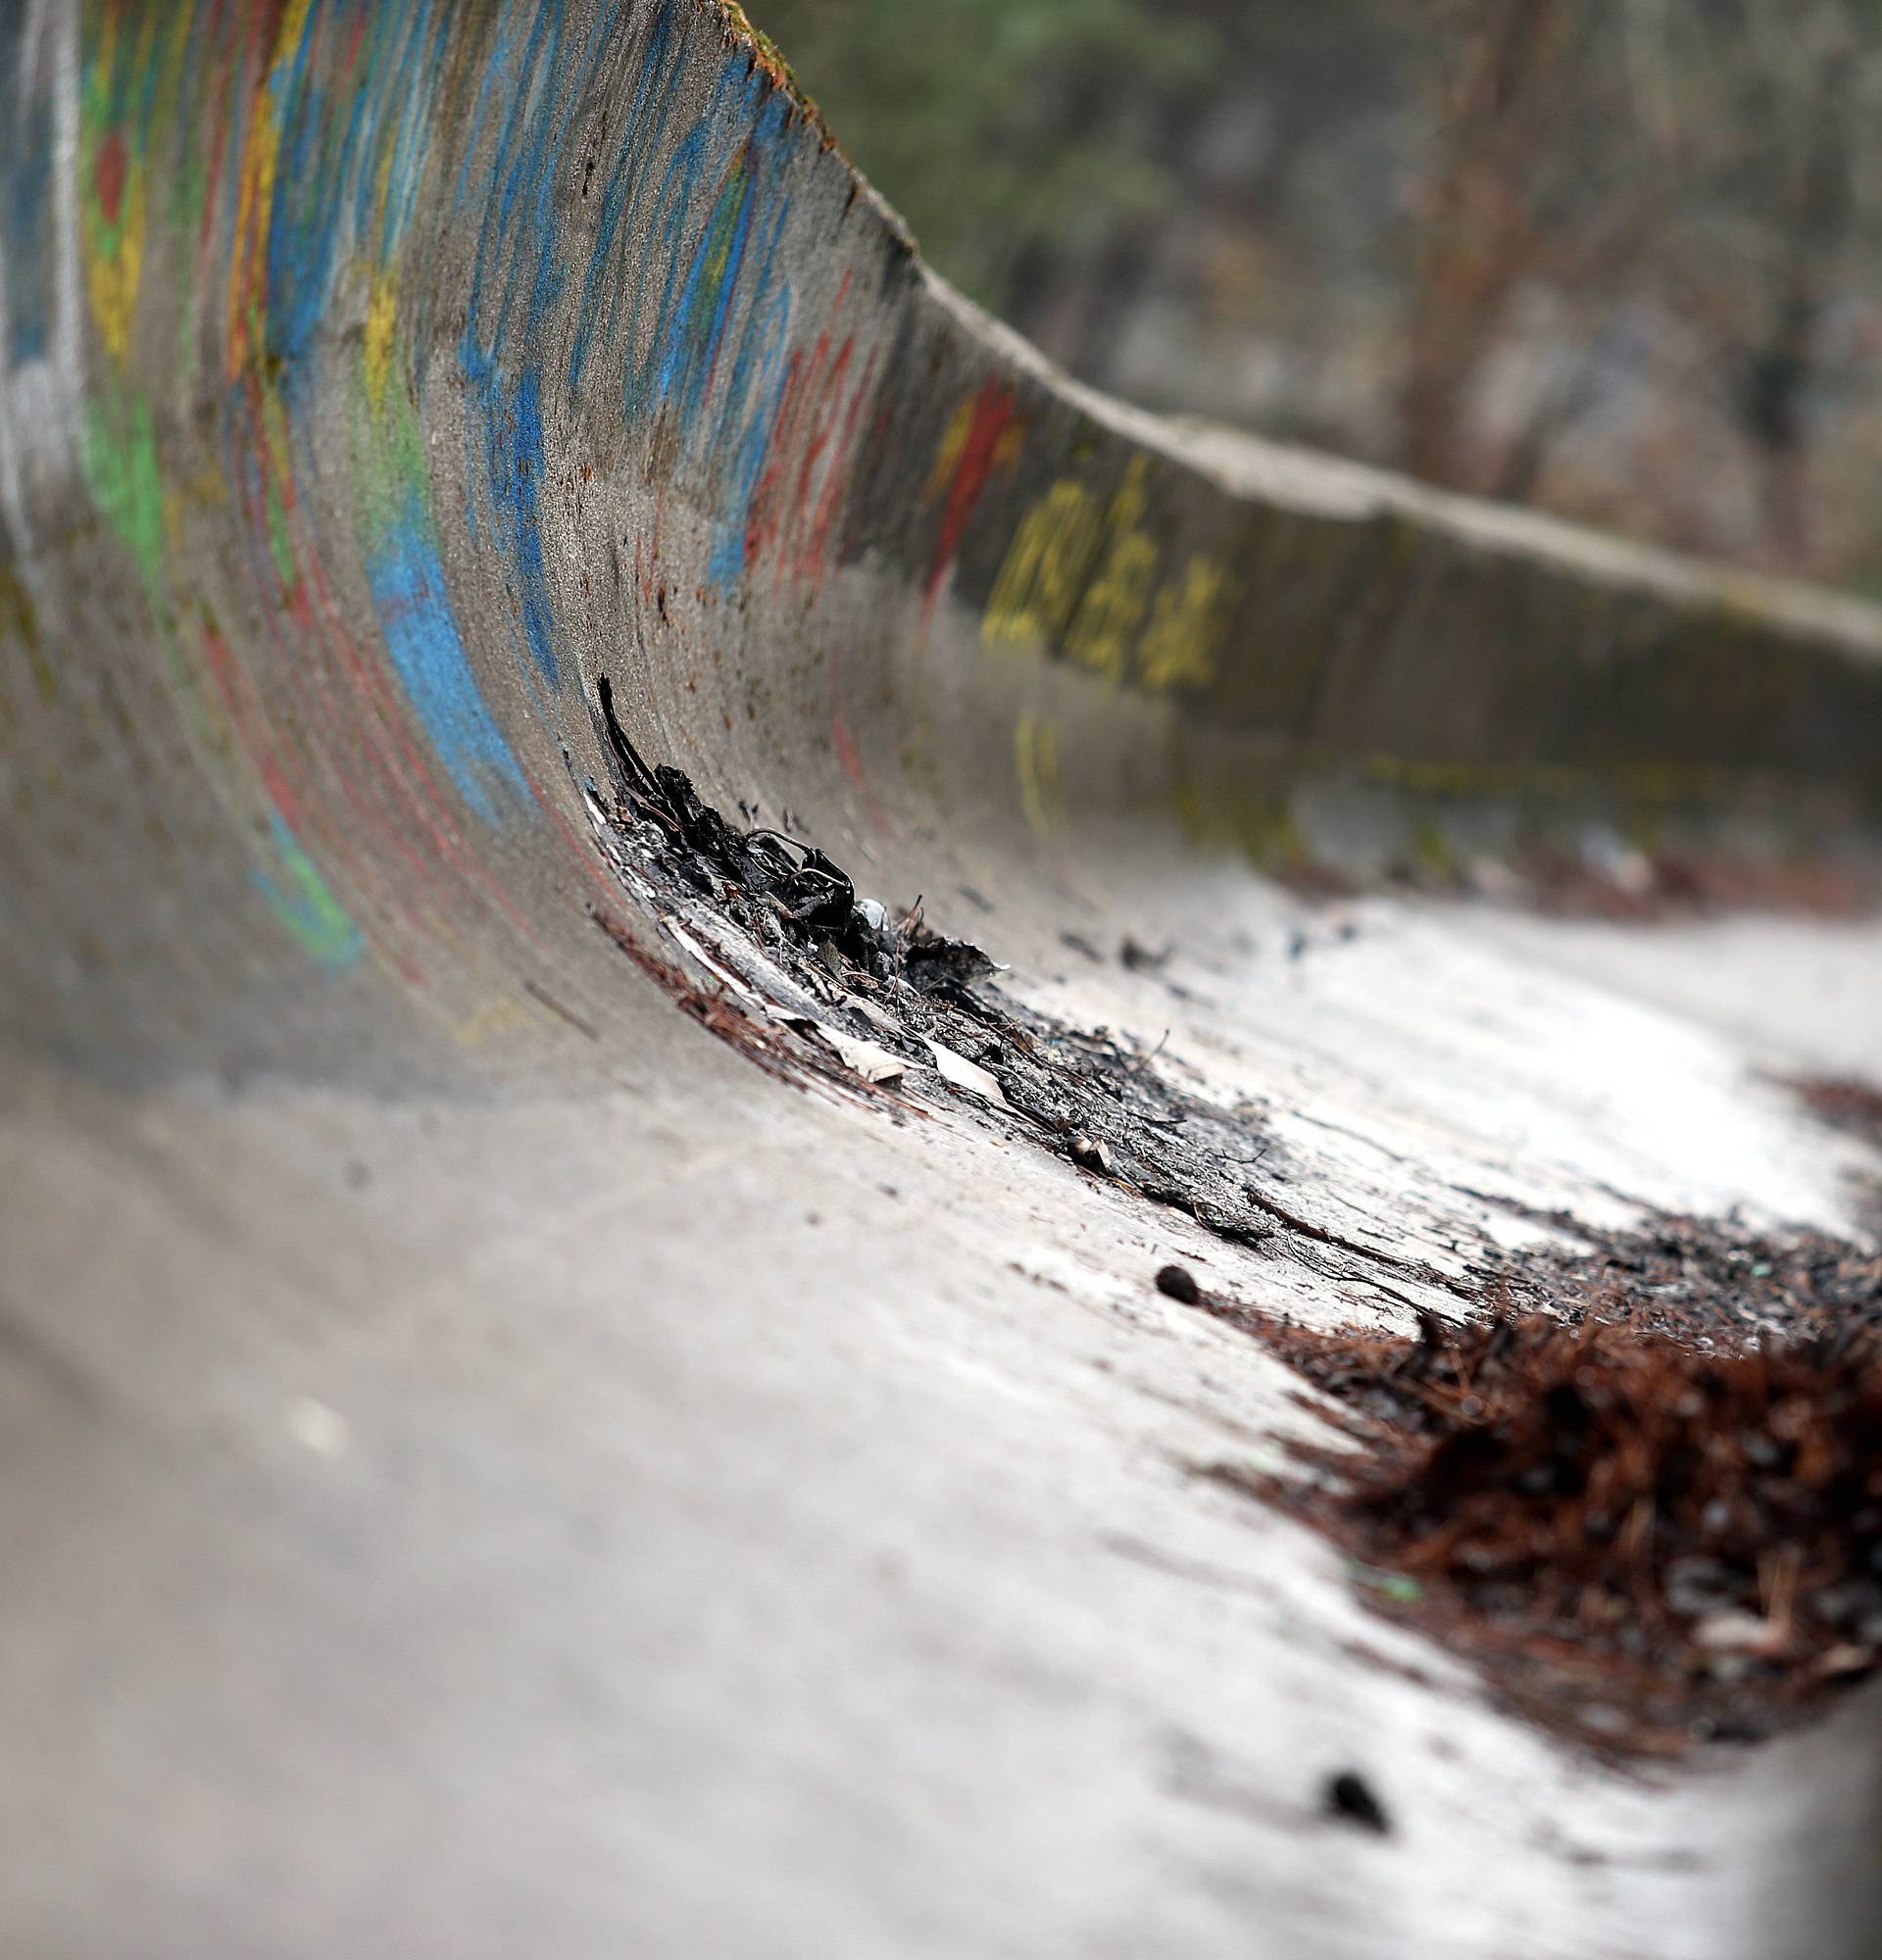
column 485, row 1470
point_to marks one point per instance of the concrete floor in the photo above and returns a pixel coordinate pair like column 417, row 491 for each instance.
column 636, row 1506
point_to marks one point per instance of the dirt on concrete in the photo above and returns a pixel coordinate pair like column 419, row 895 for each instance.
column 1650, row 886
column 1600, row 876
column 1845, row 1103
column 1641, row 1491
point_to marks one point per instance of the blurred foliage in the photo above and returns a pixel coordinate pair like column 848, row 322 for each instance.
column 996, row 125
column 1616, row 260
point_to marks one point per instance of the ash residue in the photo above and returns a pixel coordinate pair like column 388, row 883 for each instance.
column 1649, row 1510
column 797, row 949
column 1111, row 1111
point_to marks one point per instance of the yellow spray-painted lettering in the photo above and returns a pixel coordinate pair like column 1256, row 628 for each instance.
column 1084, row 578
column 1113, row 605
column 1179, row 647
column 1045, row 568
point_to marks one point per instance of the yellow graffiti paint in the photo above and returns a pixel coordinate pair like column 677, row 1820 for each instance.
column 113, row 269
column 1186, row 626
column 1113, row 605
column 112, row 223
column 382, row 302
column 947, row 454
column 1086, row 581
column 381, row 315
column 1035, row 743
column 255, row 195
column 496, row 1018
column 1038, row 585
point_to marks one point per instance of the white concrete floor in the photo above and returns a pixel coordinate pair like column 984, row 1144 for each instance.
column 637, row 1507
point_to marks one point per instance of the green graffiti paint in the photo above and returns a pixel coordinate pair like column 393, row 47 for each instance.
column 124, row 475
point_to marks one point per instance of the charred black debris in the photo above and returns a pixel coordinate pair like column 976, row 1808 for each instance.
column 793, row 943
column 1637, row 1484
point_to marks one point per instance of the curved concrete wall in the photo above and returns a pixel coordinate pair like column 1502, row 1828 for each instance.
column 376, row 377
column 485, row 1470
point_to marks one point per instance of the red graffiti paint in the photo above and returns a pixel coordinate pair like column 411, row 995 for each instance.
column 110, row 177
column 824, row 405
column 848, row 753
column 810, row 455
column 993, row 415
column 837, row 478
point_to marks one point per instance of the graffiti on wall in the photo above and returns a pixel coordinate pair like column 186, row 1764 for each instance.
column 362, row 309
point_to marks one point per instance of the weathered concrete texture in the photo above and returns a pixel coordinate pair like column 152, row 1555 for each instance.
column 391, row 378
column 487, row 1470
column 695, row 1517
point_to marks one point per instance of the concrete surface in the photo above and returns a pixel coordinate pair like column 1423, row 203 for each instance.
column 487, row 1471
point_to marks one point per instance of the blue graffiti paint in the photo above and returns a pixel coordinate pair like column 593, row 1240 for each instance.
column 524, row 479
column 664, row 243
column 685, row 349
column 332, row 174
column 727, row 566
column 521, row 240
column 692, row 341
column 687, row 303
column 411, row 131
column 762, row 349
column 646, row 128
column 332, row 170
column 305, row 212
column 406, row 582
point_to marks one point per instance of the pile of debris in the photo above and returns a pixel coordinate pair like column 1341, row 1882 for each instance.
column 803, row 962
column 1642, row 1490
column 1652, row 1510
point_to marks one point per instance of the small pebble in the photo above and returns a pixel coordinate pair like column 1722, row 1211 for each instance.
column 1349, row 1797
column 1179, row 1284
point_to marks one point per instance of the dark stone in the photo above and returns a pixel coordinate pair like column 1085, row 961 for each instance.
column 1350, row 1799
column 1180, row 1285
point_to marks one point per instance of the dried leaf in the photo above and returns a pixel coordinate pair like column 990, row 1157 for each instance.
column 871, row 1062
column 964, row 1075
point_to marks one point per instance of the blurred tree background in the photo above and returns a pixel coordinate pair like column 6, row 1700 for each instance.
column 1618, row 259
